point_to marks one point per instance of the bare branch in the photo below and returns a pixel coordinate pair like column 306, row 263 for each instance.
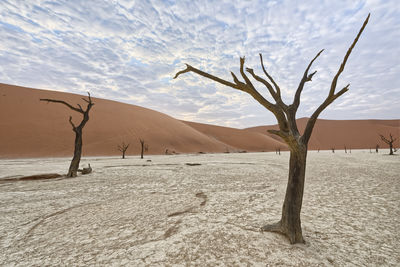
column 246, row 87
column 70, row 121
column 263, row 81
column 387, row 141
column 61, row 102
column 332, row 96
column 240, row 85
column 306, row 78
column 278, row 90
column 311, row 122
column 204, row 74
column 80, row 107
column 248, row 82
column 334, row 81
column 123, row 147
column 279, row 133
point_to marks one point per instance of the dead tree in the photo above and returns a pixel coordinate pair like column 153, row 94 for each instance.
column 73, row 167
column 389, row 142
column 345, row 149
column 333, row 150
column 142, row 148
column 289, row 224
column 123, row 147
column 377, row 148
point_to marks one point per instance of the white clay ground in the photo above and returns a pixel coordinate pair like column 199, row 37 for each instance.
column 165, row 213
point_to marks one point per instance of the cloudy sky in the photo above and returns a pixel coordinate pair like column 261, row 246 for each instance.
column 129, row 51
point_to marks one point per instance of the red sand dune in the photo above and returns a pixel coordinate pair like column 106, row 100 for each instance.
column 354, row 134
column 31, row 128
column 241, row 139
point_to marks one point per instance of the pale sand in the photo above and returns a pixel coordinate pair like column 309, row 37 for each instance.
column 167, row 213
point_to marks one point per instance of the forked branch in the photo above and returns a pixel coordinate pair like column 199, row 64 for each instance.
column 306, row 78
column 245, row 87
column 62, row 102
column 332, row 95
column 79, row 109
column 387, row 141
column 278, row 90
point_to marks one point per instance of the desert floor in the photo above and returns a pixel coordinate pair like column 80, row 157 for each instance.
column 164, row 212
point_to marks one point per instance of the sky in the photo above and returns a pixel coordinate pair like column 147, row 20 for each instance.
column 129, row 51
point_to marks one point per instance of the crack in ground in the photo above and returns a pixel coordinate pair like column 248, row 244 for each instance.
column 191, row 209
column 172, row 230
column 52, row 215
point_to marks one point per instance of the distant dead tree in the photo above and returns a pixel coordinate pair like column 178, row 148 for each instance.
column 389, row 142
column 142, row 147
column 377, row 148
column 123, row 147
column 345, row 149
column 290, row 223
column 278, row 151
column 74, row 166
column 333, row 150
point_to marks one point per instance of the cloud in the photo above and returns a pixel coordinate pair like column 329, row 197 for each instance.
column 130, row 50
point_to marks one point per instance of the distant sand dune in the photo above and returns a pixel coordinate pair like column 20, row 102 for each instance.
column 353, row 134
column 30, row 128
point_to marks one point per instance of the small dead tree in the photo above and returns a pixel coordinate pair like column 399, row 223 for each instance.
column 123, row 147
column 333, row 150
column 345, row 149
column 377, row 148
column 74, row 166
column 290, row 223
column 389, row 142
column 142, row 148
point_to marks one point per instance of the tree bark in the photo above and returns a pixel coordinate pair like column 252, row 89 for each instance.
column 290, row 222
column 142, row 148
column 74, row 166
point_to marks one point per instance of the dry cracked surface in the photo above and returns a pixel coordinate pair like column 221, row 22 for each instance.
column 206, row 213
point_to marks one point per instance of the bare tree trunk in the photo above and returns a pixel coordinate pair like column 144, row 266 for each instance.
column 142, row 148
column 74, row 166
column 290, row 222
